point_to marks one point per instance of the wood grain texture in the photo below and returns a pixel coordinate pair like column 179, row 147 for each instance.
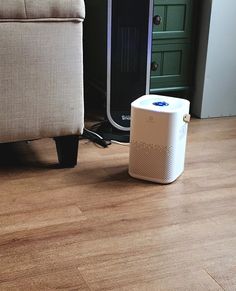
column 95, row 228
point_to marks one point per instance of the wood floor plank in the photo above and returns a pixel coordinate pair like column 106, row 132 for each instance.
column 225, row 276
column 96, row 228
column 186, row 281
column 64, row 279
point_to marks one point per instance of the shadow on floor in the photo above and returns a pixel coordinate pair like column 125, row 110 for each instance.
column 21, row 155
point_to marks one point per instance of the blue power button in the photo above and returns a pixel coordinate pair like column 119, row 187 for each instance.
column 161, row 103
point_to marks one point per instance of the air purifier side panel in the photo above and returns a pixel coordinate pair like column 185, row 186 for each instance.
column 153, row 153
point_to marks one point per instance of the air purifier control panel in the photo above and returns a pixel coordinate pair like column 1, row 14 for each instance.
column 160, row 103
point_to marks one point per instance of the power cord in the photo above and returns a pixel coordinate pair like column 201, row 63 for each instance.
column 95, row 137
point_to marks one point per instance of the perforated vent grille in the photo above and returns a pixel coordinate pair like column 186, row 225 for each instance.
column 151, row 160
column 128, row 40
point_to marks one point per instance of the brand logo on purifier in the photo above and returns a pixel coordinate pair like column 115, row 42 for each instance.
column 150, row 119
column 125, row 117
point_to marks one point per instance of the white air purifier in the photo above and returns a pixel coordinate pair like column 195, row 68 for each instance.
column 158, row 137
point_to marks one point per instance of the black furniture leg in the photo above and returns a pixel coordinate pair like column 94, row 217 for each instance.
column 67, row 150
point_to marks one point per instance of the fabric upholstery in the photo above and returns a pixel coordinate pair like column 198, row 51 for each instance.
column 23, row 10
column 41, row 79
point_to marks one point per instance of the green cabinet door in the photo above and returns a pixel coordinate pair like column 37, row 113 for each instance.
column 172, row 48
column 172, row 19
column 170, row 67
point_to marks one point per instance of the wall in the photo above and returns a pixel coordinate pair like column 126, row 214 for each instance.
column 215, row 93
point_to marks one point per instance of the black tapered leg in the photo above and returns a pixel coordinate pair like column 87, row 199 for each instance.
column 67, row 150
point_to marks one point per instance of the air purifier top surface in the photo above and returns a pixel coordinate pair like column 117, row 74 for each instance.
column 160, row 103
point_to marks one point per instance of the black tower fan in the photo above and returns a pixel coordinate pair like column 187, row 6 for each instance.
column 117, row 55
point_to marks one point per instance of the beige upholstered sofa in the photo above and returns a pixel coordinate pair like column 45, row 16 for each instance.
column 41, row 73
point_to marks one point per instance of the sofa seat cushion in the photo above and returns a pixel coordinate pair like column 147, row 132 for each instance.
column 42, row 10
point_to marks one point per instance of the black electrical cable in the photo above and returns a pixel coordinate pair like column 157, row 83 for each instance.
column 96, row 138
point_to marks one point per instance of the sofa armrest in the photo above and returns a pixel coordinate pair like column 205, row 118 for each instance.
column 42, row 10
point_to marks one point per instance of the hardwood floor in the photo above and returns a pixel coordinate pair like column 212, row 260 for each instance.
column 96, row 228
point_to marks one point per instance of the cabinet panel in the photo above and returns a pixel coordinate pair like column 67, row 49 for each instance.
column 174, row 19
column 169, row 66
